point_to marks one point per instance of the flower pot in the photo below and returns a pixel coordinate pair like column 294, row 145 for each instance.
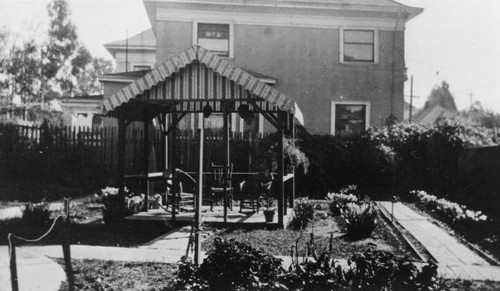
column 269, row 215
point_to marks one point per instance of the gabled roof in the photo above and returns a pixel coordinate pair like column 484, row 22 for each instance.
column 146, row 88
column 430, row 115
column 142, row 40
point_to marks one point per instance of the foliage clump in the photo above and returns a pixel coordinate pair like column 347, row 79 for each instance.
column 237, row 266
column 231, row 265
column 360, row 219
column 338, row 201
column 303, row 211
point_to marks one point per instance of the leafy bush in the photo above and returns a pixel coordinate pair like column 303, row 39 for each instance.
column 231, row 265
column 449, row 210
column 303, row 211
column 338, row 201
column 36, row 214
column 114, row 207
column 408, row 155
column 237, row 266
column 360, row 219
column 380, row 270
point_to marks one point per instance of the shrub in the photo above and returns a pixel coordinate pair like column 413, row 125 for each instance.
column 231, row 265
column 114, row 207
column 338, row 201
column 380, row 270
column 303, row 213
column 36, row 214
column 360, row 219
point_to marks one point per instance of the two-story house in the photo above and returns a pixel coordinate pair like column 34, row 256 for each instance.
column 135, row 53
column 342, row 61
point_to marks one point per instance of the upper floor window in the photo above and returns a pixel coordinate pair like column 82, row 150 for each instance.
column 215, row 37
column 141, row 67
column 358, row 45
column 350, row 118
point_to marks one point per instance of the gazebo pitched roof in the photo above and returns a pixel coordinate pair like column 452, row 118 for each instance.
column 254, row 88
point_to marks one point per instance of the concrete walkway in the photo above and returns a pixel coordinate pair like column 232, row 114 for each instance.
column 455, row 260
column 35, row 271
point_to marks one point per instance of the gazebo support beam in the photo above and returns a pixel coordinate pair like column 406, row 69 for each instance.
column 281, row 167
column 199, row 194
column 145, row 160
column 173, row 163
column 226, row 159
column 120, row 173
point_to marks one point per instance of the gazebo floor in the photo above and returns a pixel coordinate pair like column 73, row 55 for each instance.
column 236, row 219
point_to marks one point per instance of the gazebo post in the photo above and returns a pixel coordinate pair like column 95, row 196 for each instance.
column 226, row 158
column 292, row 197
column 122, row 128
column 199, row 195
column 145, row 160
column 281, row 166
column 173, row 161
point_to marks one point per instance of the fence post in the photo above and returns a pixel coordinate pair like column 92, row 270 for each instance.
column 66, row 210
column 13, row 264
column 67, row 255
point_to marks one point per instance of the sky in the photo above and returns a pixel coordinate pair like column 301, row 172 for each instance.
column 457, row 41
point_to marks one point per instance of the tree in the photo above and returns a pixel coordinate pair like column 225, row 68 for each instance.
column 87, row 79
column 20, row 67
column 61, row 46
column 441, row 96
column 482, row 117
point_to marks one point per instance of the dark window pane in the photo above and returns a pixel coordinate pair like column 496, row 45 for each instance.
column 350, row 119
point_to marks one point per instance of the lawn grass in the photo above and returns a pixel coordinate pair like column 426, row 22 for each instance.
column 110, row 275
column 280, row 242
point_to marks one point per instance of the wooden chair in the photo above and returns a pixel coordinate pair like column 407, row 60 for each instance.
column 186, row 186
column 254, row 192
column 218, row 186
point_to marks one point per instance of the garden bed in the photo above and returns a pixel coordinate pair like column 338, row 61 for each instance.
column 280, row 242
column 109, row 275
column 484, row 235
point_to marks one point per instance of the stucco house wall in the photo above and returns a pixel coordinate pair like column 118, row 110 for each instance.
column 306, row 63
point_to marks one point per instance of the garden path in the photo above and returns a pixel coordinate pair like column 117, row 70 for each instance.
column 455, row 260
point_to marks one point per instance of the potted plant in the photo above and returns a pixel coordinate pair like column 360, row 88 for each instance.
column 269, row 211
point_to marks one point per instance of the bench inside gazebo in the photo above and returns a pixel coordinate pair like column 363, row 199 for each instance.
column 199, row 82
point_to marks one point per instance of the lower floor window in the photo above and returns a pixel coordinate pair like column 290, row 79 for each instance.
column 350, row 118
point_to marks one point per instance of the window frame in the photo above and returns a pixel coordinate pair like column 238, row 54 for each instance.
column 141, row 65
column 375, row 45
column 353, row 102
column 231, row 34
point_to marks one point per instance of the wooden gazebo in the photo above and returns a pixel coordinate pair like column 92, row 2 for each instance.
column 197, row 81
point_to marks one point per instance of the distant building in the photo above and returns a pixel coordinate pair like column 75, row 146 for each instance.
column 84, row 111
column 135, row 54
column 431, row 115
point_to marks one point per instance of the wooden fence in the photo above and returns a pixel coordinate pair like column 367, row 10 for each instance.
column 93, row 151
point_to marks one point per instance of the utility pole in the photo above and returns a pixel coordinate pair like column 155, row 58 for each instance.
column 126, row 51
column 470, row 101
column 411, row 98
